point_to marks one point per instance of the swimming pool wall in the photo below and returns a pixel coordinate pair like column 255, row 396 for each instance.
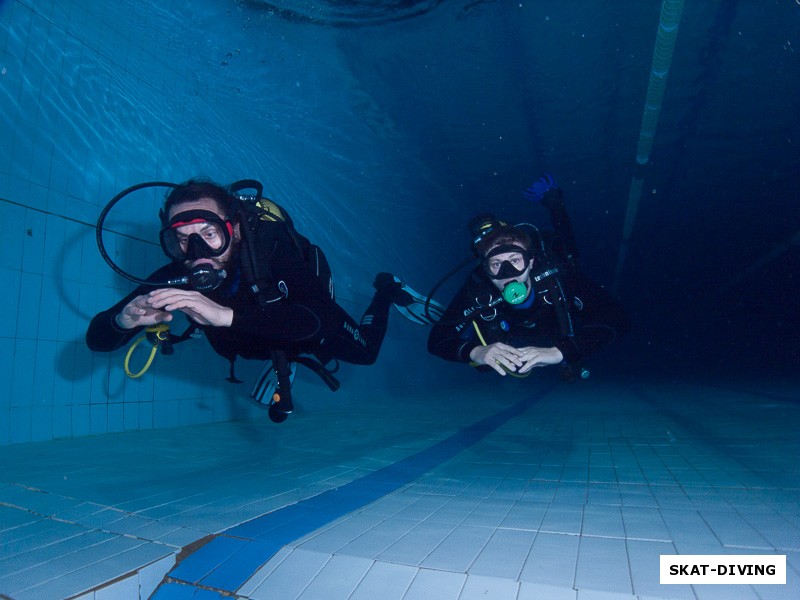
column 96, row 97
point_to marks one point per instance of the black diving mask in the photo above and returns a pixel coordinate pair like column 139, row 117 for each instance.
column 514, row 292
column 196, row 234
column 506, row 269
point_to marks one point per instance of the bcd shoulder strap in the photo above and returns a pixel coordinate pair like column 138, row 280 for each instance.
column 264, row 225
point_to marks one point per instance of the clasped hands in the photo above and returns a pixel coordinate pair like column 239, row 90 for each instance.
column 158, row 306
column 504, row 358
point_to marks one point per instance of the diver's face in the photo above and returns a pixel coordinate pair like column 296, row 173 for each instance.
column 516, row 260
column 208, row 233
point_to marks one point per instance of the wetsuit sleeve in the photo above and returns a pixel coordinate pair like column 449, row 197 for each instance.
column 452, row 338
column 600, row 320
column 103, row 334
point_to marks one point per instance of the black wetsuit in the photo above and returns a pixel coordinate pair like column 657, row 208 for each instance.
column 306, row 320
column 591, row 318
column 596, row 319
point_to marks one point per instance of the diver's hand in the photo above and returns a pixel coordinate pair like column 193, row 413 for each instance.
column 538, row 189
column 546, row 191
column 497, row 356
column 140, row 313
column 533, row 356
column 196, row 306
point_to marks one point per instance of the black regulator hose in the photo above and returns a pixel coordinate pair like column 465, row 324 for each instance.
column 202, row 278
column 102, row 218
column 441, row 282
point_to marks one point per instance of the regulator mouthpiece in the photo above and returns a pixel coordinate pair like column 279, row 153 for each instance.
column 202, row 278
column 515, row 292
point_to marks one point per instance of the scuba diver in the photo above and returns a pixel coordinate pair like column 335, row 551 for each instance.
column 527, row 304
column 258, row 289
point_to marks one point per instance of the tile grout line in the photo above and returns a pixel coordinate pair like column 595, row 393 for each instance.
column 231, row 557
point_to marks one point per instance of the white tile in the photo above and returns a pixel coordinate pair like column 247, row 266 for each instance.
column 459, row 550
column 489, row 513
column 373, row 542
column 775, row 529
column 563, row 518
column 572, row 491
column 688, row 527
column 540, row 591
column 337, row 579
column 644, row 524
column 603, row 565
column 386, row 581
column 342, row 533
column 484, row 487
column 667, row 490
column 549, row 472
column 124, row 588
column 265, row 571
column 603, row 521
column 435, row 585
column 457, row 510
column 454, row 531
column 31, row 566
column 478, row 587
column 539, row 491
column 504, row 554
column 644, row 559
column 732, row 530
column 150, row 576
column 725, row 592
column 552, row 560
column 601, row 595
column 417, row 544
column 604, row 494
column 525, row 515
column 605, row 474
column 291, row 577
column 79, row 572
column 778, row 592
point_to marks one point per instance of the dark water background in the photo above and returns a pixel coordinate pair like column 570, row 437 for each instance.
column 495, row 93
column 385, row 126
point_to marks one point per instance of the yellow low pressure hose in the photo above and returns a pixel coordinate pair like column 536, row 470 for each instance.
column 160, row 333
column 483, row 343
column 480, row 335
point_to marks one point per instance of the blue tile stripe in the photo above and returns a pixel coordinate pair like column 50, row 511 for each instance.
column 177, row 591
column 232, row 557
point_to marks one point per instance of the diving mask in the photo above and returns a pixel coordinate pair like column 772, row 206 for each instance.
column 513, row 266
column 195, row 234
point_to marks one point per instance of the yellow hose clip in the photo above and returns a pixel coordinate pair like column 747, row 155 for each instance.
column 156, row 335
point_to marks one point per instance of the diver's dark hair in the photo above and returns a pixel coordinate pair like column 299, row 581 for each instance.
column 505, row 234
column 194, row 189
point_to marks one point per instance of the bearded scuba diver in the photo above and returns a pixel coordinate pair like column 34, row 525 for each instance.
column 253, row 285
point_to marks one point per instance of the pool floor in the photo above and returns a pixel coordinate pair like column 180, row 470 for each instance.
column 555, row 491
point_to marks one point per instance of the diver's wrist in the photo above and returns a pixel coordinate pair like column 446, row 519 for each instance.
column 475, row 354
column 227, row 317
column 118, row 324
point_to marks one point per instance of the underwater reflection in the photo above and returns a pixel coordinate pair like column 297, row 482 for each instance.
column 344, row 13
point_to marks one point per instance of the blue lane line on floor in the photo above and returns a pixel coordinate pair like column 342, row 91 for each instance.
column 232, row 557
column 177, row 591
